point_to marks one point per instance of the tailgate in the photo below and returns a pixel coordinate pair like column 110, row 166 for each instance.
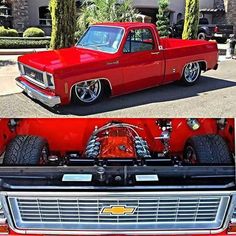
column 226, row 29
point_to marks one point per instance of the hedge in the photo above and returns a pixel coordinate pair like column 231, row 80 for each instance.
column 18, row 43
column 8, row 32
column 33, row 32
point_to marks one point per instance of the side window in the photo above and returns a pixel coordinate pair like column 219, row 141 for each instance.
column 139, row 40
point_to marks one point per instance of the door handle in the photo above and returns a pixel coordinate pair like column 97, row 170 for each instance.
column 155, row 53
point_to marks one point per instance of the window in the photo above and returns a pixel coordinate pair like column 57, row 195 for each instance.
column 45, row 16
column 203, row 21
column 181, row 22
column 102, row 38
column 139, row 40
column 179, row 16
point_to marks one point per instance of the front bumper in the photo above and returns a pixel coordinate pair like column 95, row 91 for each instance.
column 46, row 99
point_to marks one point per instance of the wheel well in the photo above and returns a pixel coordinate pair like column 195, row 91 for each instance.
column 105, row 82
column 107, row 86
column 203, row 65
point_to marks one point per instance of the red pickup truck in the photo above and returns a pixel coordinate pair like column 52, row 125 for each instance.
column 113, row 59
column 120, row 177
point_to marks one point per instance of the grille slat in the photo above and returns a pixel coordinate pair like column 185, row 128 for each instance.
column 34, row 75
column 152, row 212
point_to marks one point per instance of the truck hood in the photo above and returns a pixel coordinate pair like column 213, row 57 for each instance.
column 55, row 60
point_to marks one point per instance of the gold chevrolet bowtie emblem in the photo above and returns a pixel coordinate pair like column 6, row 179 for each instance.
column 33, row 74
column 118, row 210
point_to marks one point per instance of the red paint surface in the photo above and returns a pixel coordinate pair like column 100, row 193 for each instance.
column 72, row 134
column 135, row 71
column 119, row 143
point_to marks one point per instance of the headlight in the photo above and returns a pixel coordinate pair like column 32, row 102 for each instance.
column 50, row 81
column 20, row 68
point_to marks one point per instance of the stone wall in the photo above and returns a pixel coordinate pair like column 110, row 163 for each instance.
column 20, row 13
column 230, row 8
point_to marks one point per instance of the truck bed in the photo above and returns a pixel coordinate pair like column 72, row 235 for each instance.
column 178, row 53
column 170, row 43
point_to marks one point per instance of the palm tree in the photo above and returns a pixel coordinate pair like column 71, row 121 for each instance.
column 94, row 11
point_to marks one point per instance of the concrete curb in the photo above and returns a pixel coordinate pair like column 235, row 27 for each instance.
column 21, row 51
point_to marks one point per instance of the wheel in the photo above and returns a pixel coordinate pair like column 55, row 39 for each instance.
column 207, row 150
column 88, row 92
column 221, row 40
column 26, row 150
column 201, row 36
column 191, row 73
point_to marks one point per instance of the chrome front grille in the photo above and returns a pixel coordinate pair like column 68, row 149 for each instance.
column 32, row 74
column 150, row 213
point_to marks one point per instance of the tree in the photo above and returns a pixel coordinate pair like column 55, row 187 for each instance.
column 191, row 19
column 63, row 14
column 94, row 11
column 163, row 18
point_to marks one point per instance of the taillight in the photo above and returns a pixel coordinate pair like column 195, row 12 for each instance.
column 216, row 30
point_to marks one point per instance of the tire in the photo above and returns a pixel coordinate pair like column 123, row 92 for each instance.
column 26, row 150
column 201, row 36
column 207, row 150
column 191, row 74
column 79, row 89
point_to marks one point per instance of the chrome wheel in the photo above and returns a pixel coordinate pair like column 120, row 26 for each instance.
column 192, row 72
column 88, row 91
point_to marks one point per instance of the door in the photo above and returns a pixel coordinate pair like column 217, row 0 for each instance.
column 142, row 62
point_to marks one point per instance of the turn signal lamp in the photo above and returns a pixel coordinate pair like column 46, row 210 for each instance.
column 232, row 225
column 3, row 225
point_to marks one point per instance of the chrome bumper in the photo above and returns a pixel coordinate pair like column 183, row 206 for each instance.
column 50, row 101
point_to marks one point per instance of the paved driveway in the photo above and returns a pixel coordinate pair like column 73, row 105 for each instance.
column 213, row 96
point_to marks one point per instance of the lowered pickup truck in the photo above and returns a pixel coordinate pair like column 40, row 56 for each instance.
column 113, row 59
column 117, row 176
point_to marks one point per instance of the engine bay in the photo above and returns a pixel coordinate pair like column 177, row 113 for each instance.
column 122, row 142
column 122, row 152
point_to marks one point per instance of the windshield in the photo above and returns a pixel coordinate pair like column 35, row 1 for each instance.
column 102, row 38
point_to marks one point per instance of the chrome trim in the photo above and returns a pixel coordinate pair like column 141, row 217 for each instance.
column 126, row 232
column 41, row 85
column 50, row 101
column 193, row 62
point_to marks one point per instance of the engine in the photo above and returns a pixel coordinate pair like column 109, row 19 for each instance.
column 117, row 140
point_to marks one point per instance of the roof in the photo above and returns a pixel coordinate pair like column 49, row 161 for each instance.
column 125, row 24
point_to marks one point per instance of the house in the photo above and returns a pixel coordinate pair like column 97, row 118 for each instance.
column 35, row 12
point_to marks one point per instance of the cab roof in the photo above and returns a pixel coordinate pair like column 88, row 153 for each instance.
column 125, row 25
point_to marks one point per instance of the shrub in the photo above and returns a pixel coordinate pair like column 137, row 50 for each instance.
column 19, row 43
column 163, row 18
column 191, row 19
column 3, row 32
column 12, row 33
column 33, row 32
column 8, row 32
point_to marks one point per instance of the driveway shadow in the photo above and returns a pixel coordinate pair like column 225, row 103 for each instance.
column 170, row 92
column 7, row 63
